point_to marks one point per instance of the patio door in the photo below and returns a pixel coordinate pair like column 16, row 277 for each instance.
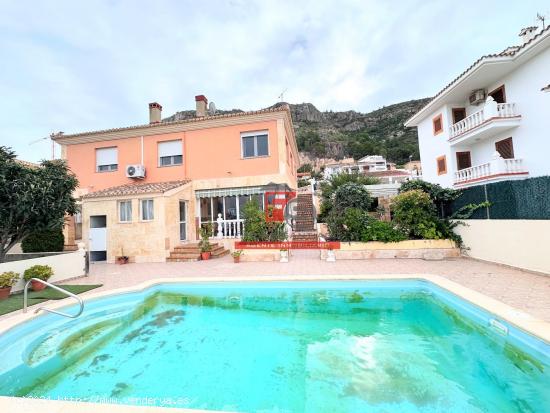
column 183, row 221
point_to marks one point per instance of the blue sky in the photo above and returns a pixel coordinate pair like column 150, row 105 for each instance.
column 76, row 66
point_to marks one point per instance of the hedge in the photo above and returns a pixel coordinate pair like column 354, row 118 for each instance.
column 44, row 241
column 521, row 199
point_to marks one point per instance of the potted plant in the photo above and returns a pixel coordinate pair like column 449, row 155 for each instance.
column 42, row 272
column 122, row 259
column 284, row 255
column 204, row 243
column 237, row 256
column 7, row 280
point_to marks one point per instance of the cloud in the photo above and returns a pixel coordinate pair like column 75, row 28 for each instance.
column 76, row 66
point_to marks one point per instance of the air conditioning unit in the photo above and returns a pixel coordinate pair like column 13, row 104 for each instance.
column 135, row 171
column 477, row 97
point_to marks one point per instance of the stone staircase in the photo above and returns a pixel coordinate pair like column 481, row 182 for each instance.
column 304, row 227
column 192, row 252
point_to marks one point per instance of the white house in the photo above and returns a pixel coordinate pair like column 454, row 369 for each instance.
column 369, row 163
column 492, row 122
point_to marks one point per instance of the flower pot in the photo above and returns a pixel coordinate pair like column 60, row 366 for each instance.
column 122, row 260
column 37, row 286
column 5, row 292
column 236, row 259
column 331, row 257
column 284, row 256
column 205, row 255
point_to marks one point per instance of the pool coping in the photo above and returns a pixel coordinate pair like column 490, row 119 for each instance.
column 526, row 322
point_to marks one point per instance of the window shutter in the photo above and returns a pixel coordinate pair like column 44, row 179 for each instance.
column 106, row 156
column 505, row 148
column 170, row 148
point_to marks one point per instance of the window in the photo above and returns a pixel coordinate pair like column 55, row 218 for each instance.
column 506, row 148
column 458, row 114
column 499, row 94
column 106, row 159
column 125, row 211
column 147, row 210
column 442, row 165
column 254, row 145
column 438, row 124
column 170, row 153
column 463, row 160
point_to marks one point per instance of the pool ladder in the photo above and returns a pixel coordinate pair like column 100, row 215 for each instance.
column 55, row 287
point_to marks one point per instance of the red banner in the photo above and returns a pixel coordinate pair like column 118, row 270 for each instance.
column 287, row 245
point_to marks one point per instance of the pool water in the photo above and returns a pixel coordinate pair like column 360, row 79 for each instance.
column 397, row 346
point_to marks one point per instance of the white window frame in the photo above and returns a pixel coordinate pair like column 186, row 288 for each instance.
column 172, row 163
column 111, row 167
column 120, row 210
column 141, row 201
column 255, row 135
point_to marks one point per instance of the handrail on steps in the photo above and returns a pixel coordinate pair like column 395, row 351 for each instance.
column 55, row 287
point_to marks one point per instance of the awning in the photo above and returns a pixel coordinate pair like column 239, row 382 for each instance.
column 250, row 190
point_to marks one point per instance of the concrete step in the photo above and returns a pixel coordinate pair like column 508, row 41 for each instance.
column 219, row 253
column 182, row 259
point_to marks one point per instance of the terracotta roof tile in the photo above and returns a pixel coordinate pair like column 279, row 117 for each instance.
column 278, row 108
column 137, row 189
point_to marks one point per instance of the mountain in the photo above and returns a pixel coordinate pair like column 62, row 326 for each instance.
column 336, row 135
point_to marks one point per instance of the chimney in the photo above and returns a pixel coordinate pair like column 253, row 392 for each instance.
column 155, row 111
column 201, row 103
column 528, row 33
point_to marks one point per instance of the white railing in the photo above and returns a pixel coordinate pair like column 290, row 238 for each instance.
column 491, row 110
column 228, row 228
column 497, row 166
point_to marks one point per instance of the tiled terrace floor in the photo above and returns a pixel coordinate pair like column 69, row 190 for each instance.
column 525, row 291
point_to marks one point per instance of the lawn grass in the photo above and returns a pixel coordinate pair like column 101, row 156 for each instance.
column 15, row 301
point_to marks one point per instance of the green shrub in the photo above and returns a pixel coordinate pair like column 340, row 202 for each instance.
column 257, row 228
column 8, row 279
column 415, row 214
column 42, row 272
column 205, row 233
column 44, row 241
column 348, row 225
column 382, row 231
column 351, row 195
column 441, row 197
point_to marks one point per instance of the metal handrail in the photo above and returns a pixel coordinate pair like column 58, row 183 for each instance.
column 55, row 287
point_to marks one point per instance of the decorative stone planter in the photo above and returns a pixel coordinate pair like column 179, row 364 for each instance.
column 419, row 249
column 331, row 257
column 284, row 256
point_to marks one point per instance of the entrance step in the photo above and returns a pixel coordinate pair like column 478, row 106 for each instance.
column 192, row 252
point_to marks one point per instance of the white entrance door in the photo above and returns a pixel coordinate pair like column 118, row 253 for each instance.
column 98, row 237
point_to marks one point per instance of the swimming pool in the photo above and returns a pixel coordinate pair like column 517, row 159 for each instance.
column 339, row 346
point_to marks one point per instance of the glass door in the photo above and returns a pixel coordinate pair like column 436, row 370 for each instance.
column 183, row 221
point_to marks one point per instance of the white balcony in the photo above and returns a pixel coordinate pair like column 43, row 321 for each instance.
column 492, row 119
column 498, row 169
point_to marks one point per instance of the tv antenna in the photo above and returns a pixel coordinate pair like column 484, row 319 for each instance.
column 52, row 135
column 542, row 19
column 282, row 95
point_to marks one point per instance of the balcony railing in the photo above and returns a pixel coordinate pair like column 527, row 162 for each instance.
column 496, row 168
column 491, row 110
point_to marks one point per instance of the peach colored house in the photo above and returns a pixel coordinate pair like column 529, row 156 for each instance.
column 146, row 189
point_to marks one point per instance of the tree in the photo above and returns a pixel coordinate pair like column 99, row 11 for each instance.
column 32, row 199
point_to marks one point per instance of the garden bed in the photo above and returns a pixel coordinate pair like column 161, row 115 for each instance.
column 428, row 249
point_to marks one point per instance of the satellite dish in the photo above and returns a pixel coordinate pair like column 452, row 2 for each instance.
column 211, row 108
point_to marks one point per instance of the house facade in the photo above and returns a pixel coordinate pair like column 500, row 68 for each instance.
column 146, row 189
column 369, row 163
column 490, row 123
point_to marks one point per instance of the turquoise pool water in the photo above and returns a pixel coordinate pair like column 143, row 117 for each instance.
column 372, row 346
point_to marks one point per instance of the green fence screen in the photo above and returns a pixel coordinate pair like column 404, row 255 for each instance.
column 522, row 199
